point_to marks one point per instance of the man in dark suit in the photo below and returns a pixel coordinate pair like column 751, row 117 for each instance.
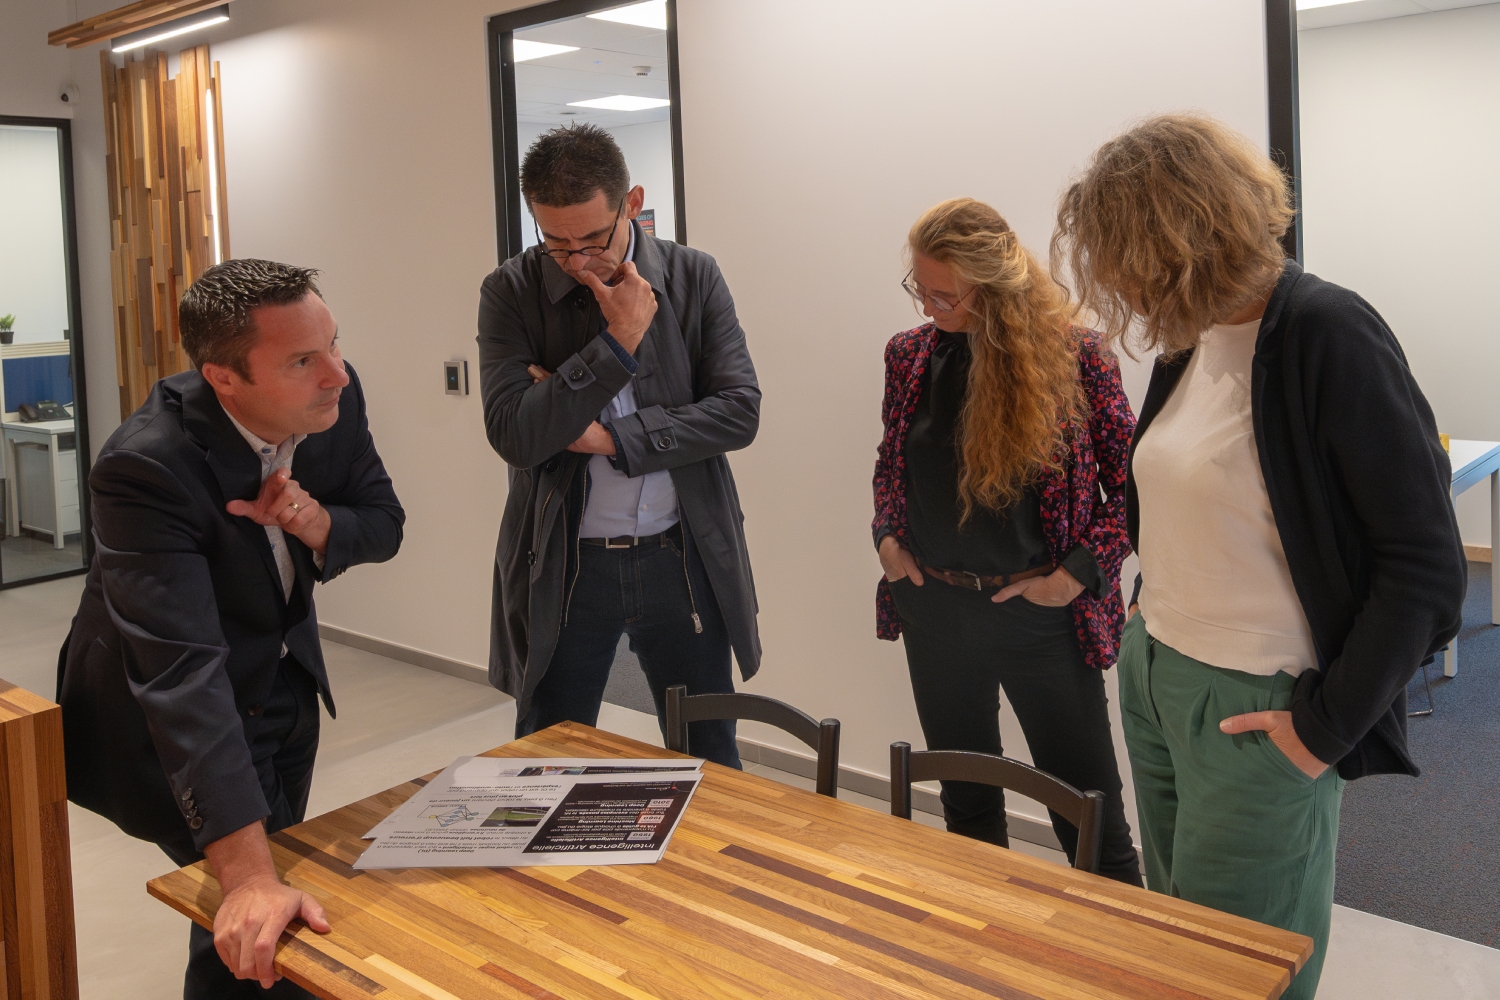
column 190, row 680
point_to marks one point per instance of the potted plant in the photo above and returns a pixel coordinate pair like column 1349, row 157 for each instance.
column 7, row 335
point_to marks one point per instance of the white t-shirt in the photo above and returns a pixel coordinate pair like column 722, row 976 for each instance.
column 1215, row 581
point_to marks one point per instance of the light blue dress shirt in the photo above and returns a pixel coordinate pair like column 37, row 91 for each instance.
column 617, row 504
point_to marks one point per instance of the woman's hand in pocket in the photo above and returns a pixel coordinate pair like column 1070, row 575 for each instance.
column 1055, row 590
column 898, row 563
column 1278, row 726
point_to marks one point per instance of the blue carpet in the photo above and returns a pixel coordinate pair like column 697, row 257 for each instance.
column 1426, row 851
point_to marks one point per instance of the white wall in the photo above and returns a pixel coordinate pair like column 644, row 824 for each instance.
column 814, row 134
column 1400, row 143
column 33, row 265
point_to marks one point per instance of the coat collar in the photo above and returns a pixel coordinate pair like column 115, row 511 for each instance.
column 648, row 263
column 1291, row 274
column 234, row 463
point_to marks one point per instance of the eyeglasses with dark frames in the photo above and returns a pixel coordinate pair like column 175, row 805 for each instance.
column 557, row 253
column 921, row 295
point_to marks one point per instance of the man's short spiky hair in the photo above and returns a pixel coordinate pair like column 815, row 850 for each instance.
column 214, row 316
column 566, row 165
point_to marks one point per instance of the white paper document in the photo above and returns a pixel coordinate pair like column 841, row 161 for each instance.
column 493, row 812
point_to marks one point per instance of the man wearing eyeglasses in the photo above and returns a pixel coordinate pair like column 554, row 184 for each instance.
column 615, row 379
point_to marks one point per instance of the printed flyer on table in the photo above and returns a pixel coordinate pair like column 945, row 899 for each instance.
column 498, row 812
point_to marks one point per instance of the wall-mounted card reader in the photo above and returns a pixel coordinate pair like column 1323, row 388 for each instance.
column 456, row 378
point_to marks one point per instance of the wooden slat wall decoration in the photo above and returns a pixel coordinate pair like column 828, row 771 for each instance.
column 124, row 20
column 36, row 873
column 164, row 137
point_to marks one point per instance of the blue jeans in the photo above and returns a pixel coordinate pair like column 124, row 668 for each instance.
column 642, row 592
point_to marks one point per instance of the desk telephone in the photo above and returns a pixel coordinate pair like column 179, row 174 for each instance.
column 45, row 409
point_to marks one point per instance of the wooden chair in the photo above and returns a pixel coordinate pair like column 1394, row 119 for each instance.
column 1085, row 810
column 683, row 708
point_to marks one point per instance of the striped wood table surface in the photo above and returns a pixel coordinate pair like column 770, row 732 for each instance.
column 765, row 891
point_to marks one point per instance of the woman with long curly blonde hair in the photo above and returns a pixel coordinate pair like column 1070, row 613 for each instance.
column 999, row 518
column 1288, row 499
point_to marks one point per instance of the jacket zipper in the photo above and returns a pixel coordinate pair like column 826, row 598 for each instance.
column 577, row 549
column 692, row 601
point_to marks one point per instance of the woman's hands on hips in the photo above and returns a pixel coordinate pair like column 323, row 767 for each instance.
column 1278, row 726
column 897, row 562
column 1055, row 590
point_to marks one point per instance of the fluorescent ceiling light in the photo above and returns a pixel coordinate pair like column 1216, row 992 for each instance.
column 651, row 14
column 171, row 29
column 525, row 51
column 622, row 102
column 1310, row 4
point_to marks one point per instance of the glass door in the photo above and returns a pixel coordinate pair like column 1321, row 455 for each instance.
column 43, row 443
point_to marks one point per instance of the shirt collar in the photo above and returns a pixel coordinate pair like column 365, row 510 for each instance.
column 263, row 449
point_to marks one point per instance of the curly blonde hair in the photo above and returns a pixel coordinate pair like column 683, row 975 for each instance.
column 1177, row 223
column 1023, row 391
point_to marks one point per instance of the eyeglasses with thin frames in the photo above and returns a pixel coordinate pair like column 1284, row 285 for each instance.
column 920, row 295
column 558, row 253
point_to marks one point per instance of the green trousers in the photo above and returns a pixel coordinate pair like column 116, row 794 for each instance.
column 1227, row 821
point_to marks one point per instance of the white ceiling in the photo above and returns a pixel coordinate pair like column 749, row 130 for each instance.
column 603, row 66
column 1373, row 10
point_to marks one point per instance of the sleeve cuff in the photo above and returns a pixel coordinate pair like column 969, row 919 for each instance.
column 624, row 356
column 881, row 531
column 1084, row 568
column 339, row 553
column 618, row 461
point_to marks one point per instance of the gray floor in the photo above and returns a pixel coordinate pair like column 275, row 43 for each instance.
column 397, row 720
column 23, row 557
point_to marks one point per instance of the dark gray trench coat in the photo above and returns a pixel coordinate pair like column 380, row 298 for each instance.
column 698, row 399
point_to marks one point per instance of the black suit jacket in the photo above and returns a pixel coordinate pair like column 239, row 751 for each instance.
column 183, row 618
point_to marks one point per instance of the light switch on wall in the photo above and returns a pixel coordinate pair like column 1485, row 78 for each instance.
column 456, row 378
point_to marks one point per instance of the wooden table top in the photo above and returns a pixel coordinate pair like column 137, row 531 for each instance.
column 765, row 891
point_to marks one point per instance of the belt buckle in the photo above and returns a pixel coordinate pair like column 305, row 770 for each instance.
column 609, row 543
column 971, row 580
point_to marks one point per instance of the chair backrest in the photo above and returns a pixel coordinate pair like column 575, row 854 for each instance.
column 1085, row 810
column 683, row 708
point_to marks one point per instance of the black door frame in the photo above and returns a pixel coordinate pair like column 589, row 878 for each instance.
column 64, row 128
column 500, row 32
column 1281, row 101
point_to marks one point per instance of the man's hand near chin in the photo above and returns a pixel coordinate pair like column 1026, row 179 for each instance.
column 257, row 907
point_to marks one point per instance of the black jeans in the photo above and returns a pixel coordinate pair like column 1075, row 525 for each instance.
column 962, row 649
column 283, row 746
column 641, row 591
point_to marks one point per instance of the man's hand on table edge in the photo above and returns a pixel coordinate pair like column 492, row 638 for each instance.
column 257, row 907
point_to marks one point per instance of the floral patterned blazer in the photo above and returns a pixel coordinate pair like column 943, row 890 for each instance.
column 1074, row 511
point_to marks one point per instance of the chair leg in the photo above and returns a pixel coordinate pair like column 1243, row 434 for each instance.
column 1428, row 685
column 828, row 758
column 676, row 728
column 901, row 780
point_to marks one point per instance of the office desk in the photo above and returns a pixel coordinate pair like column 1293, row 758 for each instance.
column 1473, row 462
column 765, row 891
column 50, row 491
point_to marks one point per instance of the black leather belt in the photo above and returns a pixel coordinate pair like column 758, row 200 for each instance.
column 674, row 534
column 974, row 581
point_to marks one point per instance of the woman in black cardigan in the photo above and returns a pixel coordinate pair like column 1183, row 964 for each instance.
column 1288, row 498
